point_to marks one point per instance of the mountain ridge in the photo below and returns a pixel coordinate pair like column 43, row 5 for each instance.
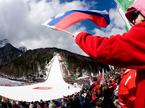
column 30, row 65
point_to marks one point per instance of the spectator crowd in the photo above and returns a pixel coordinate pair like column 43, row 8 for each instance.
column 94, row 94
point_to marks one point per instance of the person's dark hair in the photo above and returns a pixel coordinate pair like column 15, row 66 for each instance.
column 134, row 15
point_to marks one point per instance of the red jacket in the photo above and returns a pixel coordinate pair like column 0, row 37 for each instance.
column 127, row 89
column 126, row 50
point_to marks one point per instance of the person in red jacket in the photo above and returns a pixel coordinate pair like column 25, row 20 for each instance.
column 127, row 89
column 126, row 50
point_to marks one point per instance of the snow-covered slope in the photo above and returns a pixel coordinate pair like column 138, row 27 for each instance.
column 3, row 42
column 8, row 82
column 53, row 88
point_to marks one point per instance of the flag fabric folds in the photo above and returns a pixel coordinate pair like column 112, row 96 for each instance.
column 67, row 19
column 125, row 3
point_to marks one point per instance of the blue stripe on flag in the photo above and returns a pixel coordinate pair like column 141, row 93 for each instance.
column 57, row 19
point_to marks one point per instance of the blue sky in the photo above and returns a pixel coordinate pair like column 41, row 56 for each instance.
column 96, row 4
column 21, row 22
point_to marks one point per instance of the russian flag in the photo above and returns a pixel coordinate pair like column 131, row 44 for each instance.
column 67, row 19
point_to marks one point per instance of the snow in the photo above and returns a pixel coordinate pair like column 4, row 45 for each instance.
column 8, row 82
column 3, row 42
column 53, row 88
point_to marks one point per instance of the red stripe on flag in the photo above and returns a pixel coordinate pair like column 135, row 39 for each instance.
column 78, row 16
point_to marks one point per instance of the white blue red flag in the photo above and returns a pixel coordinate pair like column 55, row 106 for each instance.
column 67, row 19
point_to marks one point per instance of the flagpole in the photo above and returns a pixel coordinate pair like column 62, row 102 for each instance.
column 57, row 29
column 124, row 18
column 122, row 14
column 65, row 31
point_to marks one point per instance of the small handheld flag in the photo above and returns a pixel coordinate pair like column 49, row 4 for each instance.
column 71, row 17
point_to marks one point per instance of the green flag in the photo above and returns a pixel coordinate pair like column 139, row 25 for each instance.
column 125, row 3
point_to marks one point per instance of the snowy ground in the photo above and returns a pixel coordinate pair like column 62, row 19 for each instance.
column 8, row 82
column 53, row 88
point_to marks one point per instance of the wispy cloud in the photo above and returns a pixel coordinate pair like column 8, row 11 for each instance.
column 21, row 20
column 21, row 23
column 116, row 26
